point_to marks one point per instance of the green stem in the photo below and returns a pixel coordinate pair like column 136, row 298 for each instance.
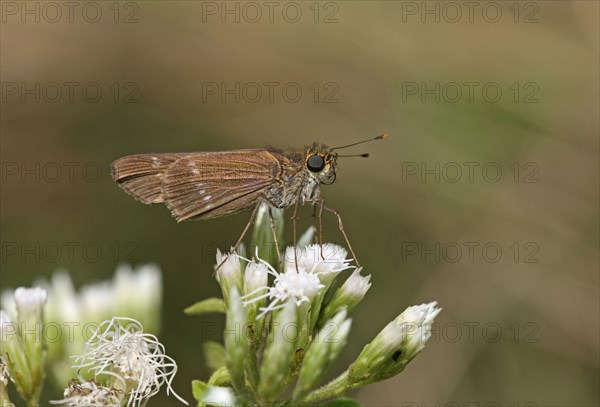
column 253, row 367
column 334, row 388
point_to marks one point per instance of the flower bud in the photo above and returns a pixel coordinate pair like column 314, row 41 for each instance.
column 322, row 352
column 395, row 346
column 307, row 237
column 348, row 295
column 278, row 354
column 30, row 306
column 12, row 351
column 228, row 272
column 236, row 341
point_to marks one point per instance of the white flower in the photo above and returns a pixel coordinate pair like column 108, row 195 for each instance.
column 7, row 302
column 326, row 261
column 307, row 237
column 97, row 301
column 356, row 285
column 219, row 396
column 228, row 266
column 396, row 345
column 8, row 327
column 417, row 321
column 30, row 303
column 127, row 352
column 256, row 276
column 138, row 294
column 299, row 287
column 228, row 271
column 347, row 296
column 62, row 299
column 132, row 293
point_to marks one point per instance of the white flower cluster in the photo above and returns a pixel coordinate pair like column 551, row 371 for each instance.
column 119, row 348
column 133, row 360
column 286, row 321
column 307, row 271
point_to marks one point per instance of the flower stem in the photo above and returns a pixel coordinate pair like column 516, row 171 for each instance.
column 334, row 388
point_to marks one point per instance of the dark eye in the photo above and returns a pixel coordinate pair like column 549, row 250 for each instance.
column 315, row 163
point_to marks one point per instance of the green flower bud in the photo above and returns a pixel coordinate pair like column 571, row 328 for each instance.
column 395, row 346
column 278, row 354
column 13, row 354
column 23, row 353
column 228, row 271
column 348, row 295
column 236, row 341
column 322, row 352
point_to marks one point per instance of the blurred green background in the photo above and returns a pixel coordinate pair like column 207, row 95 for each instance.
column 518, row 327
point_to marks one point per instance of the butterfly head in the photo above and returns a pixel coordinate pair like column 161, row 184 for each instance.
column 321, row 163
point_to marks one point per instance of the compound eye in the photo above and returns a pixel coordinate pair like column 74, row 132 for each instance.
column 315, row 163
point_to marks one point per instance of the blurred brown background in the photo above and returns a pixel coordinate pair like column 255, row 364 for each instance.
column 519, row 326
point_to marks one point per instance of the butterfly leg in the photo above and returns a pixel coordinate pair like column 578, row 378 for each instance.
column 234, row 247
column 341, row 227
column 321, row 207
column 294, row 218
column 272, row 222
column 319, row 202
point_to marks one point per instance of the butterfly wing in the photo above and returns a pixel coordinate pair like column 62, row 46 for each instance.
column 210, row 185
column 198, row 185
column 141, row 175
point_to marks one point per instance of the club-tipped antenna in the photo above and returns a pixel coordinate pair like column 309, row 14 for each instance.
column 363, row 155
column 380, row 137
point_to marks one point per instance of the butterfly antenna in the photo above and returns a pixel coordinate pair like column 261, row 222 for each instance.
column 380, row 137
column 364, row 155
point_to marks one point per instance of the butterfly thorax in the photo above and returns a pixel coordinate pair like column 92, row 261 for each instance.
column 298, row 179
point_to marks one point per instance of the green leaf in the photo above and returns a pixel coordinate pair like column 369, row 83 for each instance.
column 215, row 355
column 198, row 389
column 220, row 378
column 341, row 402
column 209, row 305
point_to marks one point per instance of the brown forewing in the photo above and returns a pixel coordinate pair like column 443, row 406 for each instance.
column 202, row 185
